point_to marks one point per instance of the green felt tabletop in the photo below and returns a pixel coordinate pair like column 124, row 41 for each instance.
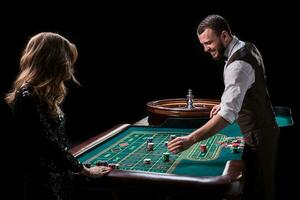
column 129, row 149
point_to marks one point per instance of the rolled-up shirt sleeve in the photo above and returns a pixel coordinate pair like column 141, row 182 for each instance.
column 238, row 78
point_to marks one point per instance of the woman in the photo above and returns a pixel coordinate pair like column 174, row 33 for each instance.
column 35, row 98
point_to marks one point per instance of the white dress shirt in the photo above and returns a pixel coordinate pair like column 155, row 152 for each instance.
column 238, row 78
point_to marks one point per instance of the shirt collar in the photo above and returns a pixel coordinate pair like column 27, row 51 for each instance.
column 229, row 50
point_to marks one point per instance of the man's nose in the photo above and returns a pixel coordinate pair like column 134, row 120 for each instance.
column 206, row 49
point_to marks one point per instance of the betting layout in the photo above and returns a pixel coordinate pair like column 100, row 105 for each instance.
column 147, row 151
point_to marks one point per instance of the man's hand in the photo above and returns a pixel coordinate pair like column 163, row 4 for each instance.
column 215, row 110
column 180, row 144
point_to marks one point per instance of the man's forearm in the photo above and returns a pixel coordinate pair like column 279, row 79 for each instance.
column 211, row 127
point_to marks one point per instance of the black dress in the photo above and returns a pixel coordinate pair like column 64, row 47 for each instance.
column 47, row 164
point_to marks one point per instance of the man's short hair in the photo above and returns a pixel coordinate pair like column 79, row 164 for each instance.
column 216, row 23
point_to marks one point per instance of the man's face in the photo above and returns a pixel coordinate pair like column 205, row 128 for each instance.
column 212, row 43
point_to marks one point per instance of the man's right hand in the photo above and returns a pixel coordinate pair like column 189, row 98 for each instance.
column 215, row 110
column 180, row 144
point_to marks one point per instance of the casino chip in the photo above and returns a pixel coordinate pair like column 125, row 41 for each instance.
column 147, row 161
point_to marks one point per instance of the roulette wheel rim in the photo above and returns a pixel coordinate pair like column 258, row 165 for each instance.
column 160, row 109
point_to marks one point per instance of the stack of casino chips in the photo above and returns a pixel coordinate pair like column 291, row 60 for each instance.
column 150, row 146
column 236, row 144
column 149, row 139
column 166, row 157
column 87, row 164
column 172, row 137
column 147, row 161
column 203, row 148
column 102, row 163
column 166, row 143
column 235, row 148
column 114, row 166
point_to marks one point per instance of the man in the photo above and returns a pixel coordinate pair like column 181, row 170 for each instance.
column 245, row 99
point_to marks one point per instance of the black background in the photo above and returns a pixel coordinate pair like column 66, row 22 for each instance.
column 130, row 54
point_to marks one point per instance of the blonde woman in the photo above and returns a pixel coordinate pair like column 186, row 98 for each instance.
column 35, row 98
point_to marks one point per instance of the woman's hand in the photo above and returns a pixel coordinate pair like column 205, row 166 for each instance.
column 95, row 171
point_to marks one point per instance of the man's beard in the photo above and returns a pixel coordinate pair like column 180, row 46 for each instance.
column 221, row 51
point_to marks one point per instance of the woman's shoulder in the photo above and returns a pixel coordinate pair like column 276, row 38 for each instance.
column 25, row 96
column 25, row 91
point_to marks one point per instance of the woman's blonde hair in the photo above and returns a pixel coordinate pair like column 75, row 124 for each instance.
column 47, row 61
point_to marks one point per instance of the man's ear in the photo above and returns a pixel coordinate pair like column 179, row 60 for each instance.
column 225, row 37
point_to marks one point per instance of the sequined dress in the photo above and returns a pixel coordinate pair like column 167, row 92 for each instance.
column 47, row 164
